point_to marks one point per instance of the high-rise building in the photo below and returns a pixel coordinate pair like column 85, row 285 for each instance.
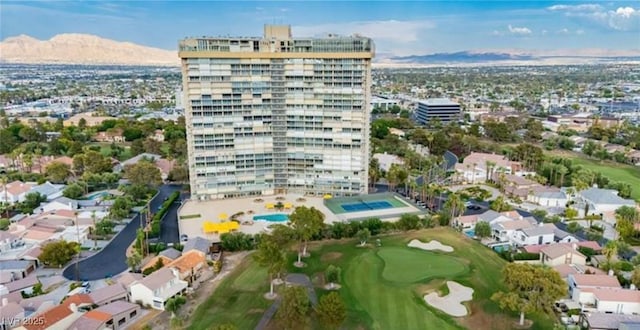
column 441, row 109
column 277, row 114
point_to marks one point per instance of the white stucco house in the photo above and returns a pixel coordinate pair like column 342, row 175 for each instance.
column 581, row 286
column 562, row 254
column 549, row 198
column 601, row 201
column 155, row 289
column 541, row 234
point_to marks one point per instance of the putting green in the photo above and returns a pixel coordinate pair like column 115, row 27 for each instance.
column 404, row 265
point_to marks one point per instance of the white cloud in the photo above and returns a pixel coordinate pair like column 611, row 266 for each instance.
column 621, row 19
column 391, row 30
column 579, row 32
column 563, row 31
column 521, row 31
column 576, row 8
column 544, row 32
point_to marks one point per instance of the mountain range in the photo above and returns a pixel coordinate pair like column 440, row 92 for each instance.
column 73, row 48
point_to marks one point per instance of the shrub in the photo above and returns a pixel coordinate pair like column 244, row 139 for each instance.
column 625, row 266
column 526, row 256
column 237, row 241
column 409, row 222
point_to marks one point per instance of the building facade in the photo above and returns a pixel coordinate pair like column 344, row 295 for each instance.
column 277, row 114
column 444, row 110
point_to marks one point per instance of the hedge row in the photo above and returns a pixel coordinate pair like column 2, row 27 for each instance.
column 157, row 218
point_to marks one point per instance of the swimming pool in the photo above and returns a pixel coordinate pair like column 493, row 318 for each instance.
column 98, row 195
column 366, row 206
column 275, row 217
column 471, row 233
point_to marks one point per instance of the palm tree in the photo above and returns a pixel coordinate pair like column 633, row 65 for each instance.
column 489, row 167
column 374, row 171
column 454, row 205
column 562, row 170
column 610, row 250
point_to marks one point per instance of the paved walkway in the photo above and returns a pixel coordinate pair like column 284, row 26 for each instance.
column 291, row 279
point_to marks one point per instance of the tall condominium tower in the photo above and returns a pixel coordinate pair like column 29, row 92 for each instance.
column 277, row 114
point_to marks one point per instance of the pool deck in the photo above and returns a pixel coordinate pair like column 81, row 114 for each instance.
column 210, row 211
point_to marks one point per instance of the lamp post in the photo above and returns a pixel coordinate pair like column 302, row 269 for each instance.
column 79, row 248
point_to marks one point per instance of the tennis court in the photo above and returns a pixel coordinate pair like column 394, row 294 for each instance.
column 363, row 203
column 365, row 206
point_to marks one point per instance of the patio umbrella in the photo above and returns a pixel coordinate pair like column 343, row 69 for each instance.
column 223, row 216
column 327, row 196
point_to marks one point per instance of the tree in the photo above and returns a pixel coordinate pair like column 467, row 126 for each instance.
column 530, row 288
column 58, row 172
column 73, row 191
column 143, row 173
column 408, row 222
column 570, row 213
column 500, row 205
column 628, row 213
column 332, row 275
column 331, row 311
column 173, row 305
column 294, row 307
column 573, row 227
column 179, row 174
column 31, row 201
column 152, row 146
column 121, row 208
column 272, row 256
column 363, row 236
column 482, row 229
column 134, row 260
column 307, row 222
column 454, row 205
column 635, row 278
column 4, row 224
column 609, row 251
column 58, row 253
column 374, row 171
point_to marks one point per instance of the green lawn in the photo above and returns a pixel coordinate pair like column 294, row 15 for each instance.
column 615, row 172
column 383, row 287
column 238, row 300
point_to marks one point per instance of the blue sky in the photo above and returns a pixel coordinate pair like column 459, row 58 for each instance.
column 398, row 27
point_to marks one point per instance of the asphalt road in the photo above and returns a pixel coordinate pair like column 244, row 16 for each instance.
column 112, row 259
column 169, row 231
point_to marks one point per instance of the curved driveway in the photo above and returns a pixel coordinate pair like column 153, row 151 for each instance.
column 112, row 260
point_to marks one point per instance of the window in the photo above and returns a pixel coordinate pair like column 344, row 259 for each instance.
column 133, row 314
column 122, row 321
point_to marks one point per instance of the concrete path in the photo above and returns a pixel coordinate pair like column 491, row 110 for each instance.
column 291, row 279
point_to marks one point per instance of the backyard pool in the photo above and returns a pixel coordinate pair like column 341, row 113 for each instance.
column 97, row 195
column 471, row 233
column 275, row 217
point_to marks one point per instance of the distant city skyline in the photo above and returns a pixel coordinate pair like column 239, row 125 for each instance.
column 398, row 28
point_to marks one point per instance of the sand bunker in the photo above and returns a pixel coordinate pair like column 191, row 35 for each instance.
column 451, row 303
column 433, row 245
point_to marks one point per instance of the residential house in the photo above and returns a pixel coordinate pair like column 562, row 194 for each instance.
column 49, row 190
column 59, row 317
column 570, row 269
column 549, row 198
column 171, row 253
column 116, row 315
column 126, row 279
column 478, row 167
column 616, row 301
column 158, row 135
column 604, row 321
column 601, row 202
column 108, row 294
column 517, row 186
column 11, row 313
column 541, row 234
column 197, row 243
column 386, row 161
column 112, row 135
column 14, row 192
column 503, row 231
column 190, row 265
column 13, row 270
column 60, row 203
column 581, row 286
column 559, row 254
column 155, row 289
column 165, row 166
column 119, row 167
column 154, row 261
column 397, row 132
column 634, row 157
